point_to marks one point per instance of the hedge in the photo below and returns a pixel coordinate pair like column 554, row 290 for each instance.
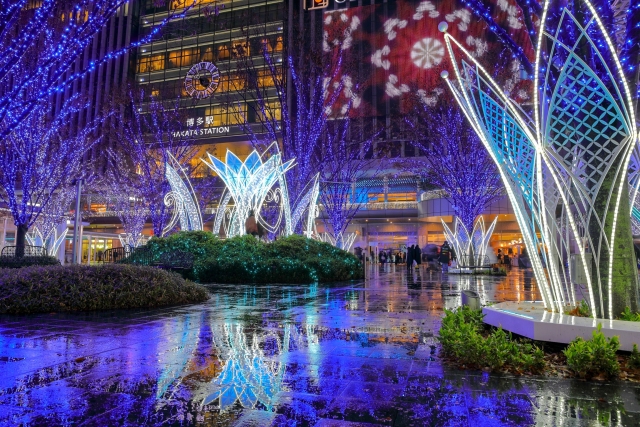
column 245, row 259
column 81, row 288
column 26, row 261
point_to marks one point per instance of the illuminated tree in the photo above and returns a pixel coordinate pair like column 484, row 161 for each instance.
column 39, row 159
column 292, row 97
column 128, row 205
column 149, row 136
column 347, row 158
column 41, row 42
column 454, row 160
column 54, row 214
column 620, row 18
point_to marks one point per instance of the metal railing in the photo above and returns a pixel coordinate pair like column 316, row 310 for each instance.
column 471, row 261
column 10, row 251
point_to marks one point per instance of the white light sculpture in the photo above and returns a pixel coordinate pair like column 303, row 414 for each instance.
column 182, row 197
column 248, row 377
column 308, row 203
column 51, row 242
column 129, row 240
column 470, row 249
column 254, row 183
column 343, row 240
column 566, row 166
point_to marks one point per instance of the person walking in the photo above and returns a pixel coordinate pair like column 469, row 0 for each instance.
column 418, row 255
column 409, row 256
column 445, row 256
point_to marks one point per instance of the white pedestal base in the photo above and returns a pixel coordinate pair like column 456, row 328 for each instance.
column 531, row 320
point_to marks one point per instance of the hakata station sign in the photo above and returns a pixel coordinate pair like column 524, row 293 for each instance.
column 202, row 131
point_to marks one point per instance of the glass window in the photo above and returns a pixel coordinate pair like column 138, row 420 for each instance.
column 151, row 63
column 272, row 111
column 206, row 54
column 221, row 116
column 183, row 58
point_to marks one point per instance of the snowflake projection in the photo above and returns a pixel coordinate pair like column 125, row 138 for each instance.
column 427, row 53
column 338, row 38
column 405, row 49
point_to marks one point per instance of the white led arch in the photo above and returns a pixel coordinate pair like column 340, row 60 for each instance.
column 557, row 164
column 182, row 197
column 258, row 181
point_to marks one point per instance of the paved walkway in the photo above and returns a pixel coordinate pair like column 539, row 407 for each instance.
column 330, row 355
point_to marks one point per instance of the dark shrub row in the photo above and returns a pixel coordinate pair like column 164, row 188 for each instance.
column 293, row 259
column 15, row 262
column 48, row 289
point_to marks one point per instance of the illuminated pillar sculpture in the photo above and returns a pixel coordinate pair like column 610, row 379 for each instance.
column 470, row 248
column 251, row 183
column 182, row 197
column 565, row 163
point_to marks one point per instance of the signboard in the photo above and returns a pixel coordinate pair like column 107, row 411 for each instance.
column 315, row 4
column 197, row 122
column 323, row 4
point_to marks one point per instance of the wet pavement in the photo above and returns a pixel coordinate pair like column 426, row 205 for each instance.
column 355, row 354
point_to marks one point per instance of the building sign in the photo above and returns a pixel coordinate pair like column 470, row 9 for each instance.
column 199, row 130
column 315, row 4
column 323, row 4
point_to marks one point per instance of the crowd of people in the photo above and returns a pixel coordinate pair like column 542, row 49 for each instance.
column 436, row 257
column 412, row 256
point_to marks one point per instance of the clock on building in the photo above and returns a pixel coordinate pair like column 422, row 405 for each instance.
column 202, row 80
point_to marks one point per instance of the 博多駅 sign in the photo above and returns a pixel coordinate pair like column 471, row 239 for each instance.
column 197, row 123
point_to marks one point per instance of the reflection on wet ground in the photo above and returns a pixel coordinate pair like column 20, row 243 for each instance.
column 350, row 354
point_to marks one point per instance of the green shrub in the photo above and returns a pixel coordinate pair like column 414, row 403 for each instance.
column 634, row 359
column 462, row 339
column 593, row 357
column 80, row 288
column 627, row 314
column 19, row 262
column 245, row 259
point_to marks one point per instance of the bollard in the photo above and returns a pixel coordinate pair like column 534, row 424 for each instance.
column 471, row 299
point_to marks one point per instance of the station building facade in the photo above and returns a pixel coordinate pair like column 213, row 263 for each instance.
column 396, row 210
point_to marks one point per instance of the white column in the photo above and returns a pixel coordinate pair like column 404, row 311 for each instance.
column 61, row 250
column 4, row 234
column 89, row 250
column 79, row 248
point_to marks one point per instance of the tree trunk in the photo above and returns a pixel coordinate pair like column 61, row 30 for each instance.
column 625, row 271
column 21, row 239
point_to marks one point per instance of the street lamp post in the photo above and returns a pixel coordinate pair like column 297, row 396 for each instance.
column 76, row 224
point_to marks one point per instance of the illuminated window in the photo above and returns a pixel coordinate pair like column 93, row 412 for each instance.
column 265, row 78
column 241, row 49
column 223, row 52
column 181, row 4
column 401, row 197
column 81, row 16
column 182, row 58
column 151, row 63
column 34, row 4
column 272, row 112
column 221, row 116
column 276, row 45
column 207, row 55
